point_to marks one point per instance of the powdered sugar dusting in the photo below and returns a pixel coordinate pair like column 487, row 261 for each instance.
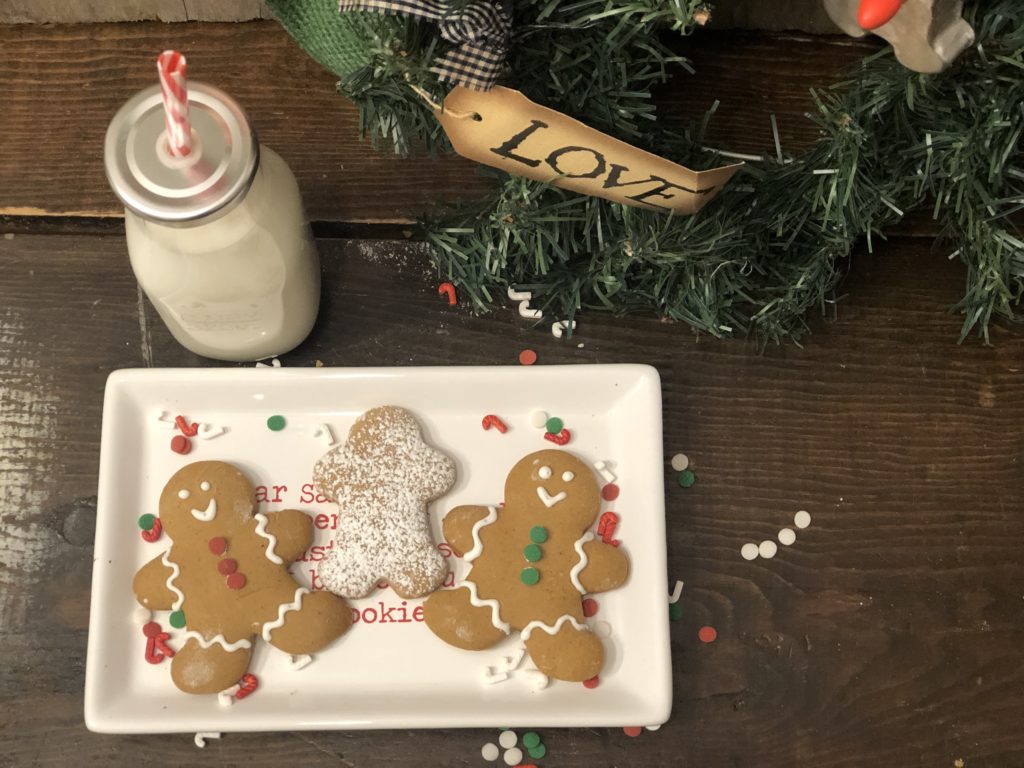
column 382, row 479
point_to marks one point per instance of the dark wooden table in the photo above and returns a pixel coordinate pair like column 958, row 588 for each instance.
column 890, row 634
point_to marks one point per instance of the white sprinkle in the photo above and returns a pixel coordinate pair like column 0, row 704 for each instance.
column 508, row 739
column 490, row 752
column 749, row 551
column 677, row 592
column 538, row 419
column 559, row 328
column 767, row 549
column 680, row 462
column 298, row 662
column 801, row 519
column 526, row 311
column 493, row 676
column 602, row 629
column 652, row 727
column 787, row 536
column 514, row 756
column 603, row 469
column 142, row 615
column 519, row 295
column 202, row 736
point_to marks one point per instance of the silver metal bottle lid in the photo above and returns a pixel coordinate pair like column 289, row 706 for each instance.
column 156, row 185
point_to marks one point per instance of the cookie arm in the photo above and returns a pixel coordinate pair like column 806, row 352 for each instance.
column 458, row 527
column 293, row 530
column 607, row 567
column 150, row 585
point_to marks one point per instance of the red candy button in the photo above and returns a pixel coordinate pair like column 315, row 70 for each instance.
column 589, row 607
column 592, row 682
column 218, row 545
column 227, row 566
column 632, row 731
column 527, row 357
column 236, row 580
column 181, row 444
column 707, row 634
column 610, row 492
column 151, row 629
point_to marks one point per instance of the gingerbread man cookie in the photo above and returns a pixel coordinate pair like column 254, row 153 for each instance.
column 382, row 479
column 532, row 560
column 226, row 578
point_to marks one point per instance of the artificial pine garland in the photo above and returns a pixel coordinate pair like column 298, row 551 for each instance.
column 776, row 242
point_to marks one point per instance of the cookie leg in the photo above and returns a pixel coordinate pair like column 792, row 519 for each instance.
column 451, row 616
column 423, row 573
column 569, row 654
column 195, row 669
column 320, row 619
column 345, row 572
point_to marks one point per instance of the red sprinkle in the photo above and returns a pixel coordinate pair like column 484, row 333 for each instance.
column 490, row 420
column 610, row 492
column 592, row 682
column 189, row 430
column 606, row 527
column 162, row 646
column 707, row 634
column 151, row 629
column 227, row 566
column 181, row 444
column 247, row 685
column 590, row 607
column 632, row 731
column 449, row 289
column 527, row 357
column 218, row 545
column 561, row 438
column 236, row 580
column 153, row 533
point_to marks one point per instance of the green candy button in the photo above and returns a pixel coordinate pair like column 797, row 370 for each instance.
column 531, row 740
column 146, row 522
column 537, row 752
column 529, row 576
column 554, row 425
column 275, row 423
column 538, row 534
column 675, row 611
column 177, row 619
column 533, row 552
column 687, row 478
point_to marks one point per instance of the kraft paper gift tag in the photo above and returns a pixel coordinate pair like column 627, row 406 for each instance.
column 504, row 129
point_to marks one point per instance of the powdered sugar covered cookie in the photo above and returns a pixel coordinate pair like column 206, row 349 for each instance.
column 382, row 479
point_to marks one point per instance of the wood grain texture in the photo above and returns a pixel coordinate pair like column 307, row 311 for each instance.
column 64, row 83
column 889, row 634
column 60, row 11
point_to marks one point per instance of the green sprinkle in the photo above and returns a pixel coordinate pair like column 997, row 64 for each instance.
column 529, row 576
column 537, row 752
column 687, row 478
column 275, row 423
column 146, row 522
column 178, row 619
column 538, row 534
column 554, row 425
column 531, row 741
column 675, row 611
column 533, row 552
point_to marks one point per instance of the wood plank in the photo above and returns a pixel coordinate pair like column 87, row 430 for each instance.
column 50, row 92
column 888, row 634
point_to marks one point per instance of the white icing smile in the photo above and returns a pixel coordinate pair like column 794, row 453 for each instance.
column 206, row 515
column 548, row 499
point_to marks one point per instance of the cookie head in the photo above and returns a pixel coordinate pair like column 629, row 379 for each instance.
column 555, row 484
column 206, row 497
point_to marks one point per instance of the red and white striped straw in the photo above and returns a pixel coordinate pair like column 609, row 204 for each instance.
column 171, row 66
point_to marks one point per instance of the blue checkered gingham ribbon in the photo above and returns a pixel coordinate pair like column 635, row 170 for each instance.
column 481, row 30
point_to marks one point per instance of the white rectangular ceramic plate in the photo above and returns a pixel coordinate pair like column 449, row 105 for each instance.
column 385, row 673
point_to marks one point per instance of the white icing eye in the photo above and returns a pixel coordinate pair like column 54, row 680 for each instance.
column 544, row 473
column 567, row 477
column 183, row 494
column 204, row 486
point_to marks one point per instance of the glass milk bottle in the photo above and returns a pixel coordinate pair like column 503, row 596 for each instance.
column 218, row 239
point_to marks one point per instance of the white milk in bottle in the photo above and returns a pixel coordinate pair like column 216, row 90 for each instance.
column 218, row 239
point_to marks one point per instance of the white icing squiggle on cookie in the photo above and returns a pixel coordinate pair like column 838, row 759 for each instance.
column 478, row 546
column 479, row 602
column 261, row 530
column 175, row 573
column 282, row 609
column 551, row 630
column 219, row 640
column 574, row 574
